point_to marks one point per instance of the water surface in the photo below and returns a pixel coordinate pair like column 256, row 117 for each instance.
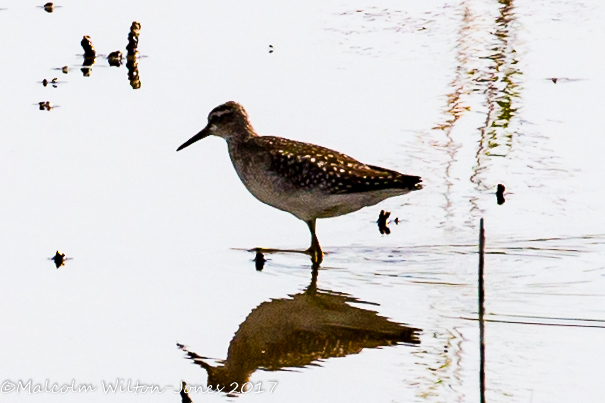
column 467, row 95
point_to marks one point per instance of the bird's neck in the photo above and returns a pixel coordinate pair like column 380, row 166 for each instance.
column 238, row 137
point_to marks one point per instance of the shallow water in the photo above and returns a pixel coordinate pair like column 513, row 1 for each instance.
column 461, row 94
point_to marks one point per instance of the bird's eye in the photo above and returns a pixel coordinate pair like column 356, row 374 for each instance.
column 218, row 116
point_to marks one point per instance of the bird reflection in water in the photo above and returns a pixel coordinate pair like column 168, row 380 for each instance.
column 184, row 395
column 300, row 331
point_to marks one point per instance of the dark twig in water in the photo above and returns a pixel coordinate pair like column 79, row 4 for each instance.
column 382, row 222
column 259, row 260
column 481, row 310
column 500, row 194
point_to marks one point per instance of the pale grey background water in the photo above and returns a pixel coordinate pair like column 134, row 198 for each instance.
column 456, row 92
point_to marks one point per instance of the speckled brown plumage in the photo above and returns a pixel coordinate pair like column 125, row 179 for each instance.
column 308, row 166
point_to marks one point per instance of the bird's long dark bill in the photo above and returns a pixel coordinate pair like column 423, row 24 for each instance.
column 204, row 133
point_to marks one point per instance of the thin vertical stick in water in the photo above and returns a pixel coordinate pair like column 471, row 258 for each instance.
column 481, row 311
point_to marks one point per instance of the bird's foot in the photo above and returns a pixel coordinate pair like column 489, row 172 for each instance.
column 317, row 255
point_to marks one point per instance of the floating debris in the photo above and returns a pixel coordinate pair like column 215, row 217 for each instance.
column 561, row 80
column 89, row 50
column 49, row 7
column 500, row 194
column 89, row 55
column 115, row 58
column 54, row 82
column 59, row 259
column 132, row 63
column 259, row 261
column 382, row 222
column 45, row 106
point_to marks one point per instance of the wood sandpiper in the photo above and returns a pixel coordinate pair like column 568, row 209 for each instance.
column 306, row 180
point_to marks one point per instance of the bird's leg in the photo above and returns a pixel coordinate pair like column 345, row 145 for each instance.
column 317, row 256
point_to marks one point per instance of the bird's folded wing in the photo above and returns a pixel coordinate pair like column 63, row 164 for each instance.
column 308, row 166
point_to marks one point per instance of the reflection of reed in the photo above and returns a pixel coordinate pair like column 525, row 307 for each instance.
column 485, row 81
column 441, row 355
column 502, row 90
column 299, row 331
column 460, row 84
column 462, row 87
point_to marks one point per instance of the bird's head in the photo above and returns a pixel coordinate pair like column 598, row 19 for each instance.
column 228, row 120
